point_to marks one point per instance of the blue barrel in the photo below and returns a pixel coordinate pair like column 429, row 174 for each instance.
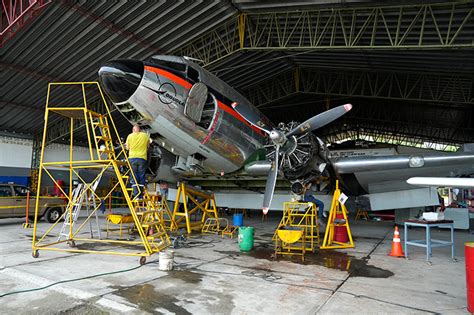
column 238, row 219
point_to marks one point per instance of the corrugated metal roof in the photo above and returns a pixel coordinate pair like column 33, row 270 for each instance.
column 69, row 41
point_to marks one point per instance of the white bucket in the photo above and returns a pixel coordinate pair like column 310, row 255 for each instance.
column 166, row 260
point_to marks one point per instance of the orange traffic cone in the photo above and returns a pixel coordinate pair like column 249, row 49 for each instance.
column 397, row 250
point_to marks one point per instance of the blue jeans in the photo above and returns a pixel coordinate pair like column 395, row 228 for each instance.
column 138, row 168
column 164, row 193
column 317, row 202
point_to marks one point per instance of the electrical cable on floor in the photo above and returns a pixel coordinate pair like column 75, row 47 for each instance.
column 72, row 280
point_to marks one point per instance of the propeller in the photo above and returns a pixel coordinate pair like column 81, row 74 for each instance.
column 320, row 120
column 251, row 117
column 271, row 181
column 279, row 138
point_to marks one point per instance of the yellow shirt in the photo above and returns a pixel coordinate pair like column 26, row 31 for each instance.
column 137, row 143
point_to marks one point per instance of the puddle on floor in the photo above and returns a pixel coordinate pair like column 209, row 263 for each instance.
column 186, row 276
column 149, row 300
column 357, row 267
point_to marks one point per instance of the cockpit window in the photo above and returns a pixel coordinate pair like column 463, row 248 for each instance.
column 193, row 74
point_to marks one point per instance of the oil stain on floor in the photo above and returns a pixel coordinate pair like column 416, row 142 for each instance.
column 186, row 276
column 356, row 267
column 149, row 300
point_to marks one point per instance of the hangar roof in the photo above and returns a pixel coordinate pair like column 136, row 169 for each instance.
column 407, row 68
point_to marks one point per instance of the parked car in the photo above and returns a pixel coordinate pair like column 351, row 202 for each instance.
column 13, row 204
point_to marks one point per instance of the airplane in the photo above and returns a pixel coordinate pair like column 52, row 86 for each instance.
column 215, row 130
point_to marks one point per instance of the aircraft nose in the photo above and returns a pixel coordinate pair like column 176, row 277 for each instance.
column 121, row 78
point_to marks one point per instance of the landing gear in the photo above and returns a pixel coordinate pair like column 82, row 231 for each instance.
column 71, row 243
column 142, row 260
column 35, row 254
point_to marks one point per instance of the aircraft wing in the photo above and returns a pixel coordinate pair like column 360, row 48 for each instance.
column 442, row 182
column 384, row 177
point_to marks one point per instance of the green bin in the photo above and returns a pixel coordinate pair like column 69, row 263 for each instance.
column 246, row 238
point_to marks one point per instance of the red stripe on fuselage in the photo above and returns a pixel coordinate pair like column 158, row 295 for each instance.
column 187, row 85
column 171, row 76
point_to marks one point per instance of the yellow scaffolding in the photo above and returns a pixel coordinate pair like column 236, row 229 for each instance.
column 337, row 221
column 298, row 231
column 362, row 214
column 104, row 157
column 194, row 202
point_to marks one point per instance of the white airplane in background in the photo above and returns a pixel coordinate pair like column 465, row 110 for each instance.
column 218, row 132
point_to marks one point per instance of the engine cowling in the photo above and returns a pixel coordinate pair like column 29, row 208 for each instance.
column 303, row 157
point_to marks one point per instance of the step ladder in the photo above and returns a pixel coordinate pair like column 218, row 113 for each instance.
column 80, row 193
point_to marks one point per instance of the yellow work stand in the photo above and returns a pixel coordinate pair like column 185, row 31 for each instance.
column 92, row 120
column 230, row 231
column 362, row 214
column 290, row 242
column 194, row 201
column 120, row 220
column 298, row 231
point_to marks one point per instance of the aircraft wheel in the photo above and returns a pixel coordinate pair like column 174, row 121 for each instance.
column 142, row 260
column 71, row 243
column 35, row 254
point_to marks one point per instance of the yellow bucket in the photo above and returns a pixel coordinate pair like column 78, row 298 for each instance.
column 290, row 236
column 119, row 218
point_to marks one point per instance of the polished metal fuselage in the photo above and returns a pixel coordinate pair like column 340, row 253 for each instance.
column 222, row 146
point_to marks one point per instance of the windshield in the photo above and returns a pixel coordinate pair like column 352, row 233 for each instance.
column 21, row 190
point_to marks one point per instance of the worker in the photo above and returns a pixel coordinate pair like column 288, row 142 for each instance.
column 308, row 197
column 137, row 145
column 164, row 189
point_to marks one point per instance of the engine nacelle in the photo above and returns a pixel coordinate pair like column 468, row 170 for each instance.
column 297, row 187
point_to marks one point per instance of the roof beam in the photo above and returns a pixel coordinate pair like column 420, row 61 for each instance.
column 406, row 86
column 419, row 27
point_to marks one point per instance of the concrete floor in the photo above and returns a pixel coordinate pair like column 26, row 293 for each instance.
column 211, row 276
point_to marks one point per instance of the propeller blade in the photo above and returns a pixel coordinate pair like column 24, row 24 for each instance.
column 251, row 117
column 320, row 120
column 271, row 181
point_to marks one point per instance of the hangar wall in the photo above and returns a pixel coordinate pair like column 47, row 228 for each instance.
column 16, row 154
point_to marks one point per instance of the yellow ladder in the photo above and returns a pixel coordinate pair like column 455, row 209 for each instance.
column 101, row 133
column 146, row 215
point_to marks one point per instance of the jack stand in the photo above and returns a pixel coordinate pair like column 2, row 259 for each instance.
column 337, row 229
column 194, row 201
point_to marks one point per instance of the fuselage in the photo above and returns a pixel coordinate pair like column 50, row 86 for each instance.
column 154, row 93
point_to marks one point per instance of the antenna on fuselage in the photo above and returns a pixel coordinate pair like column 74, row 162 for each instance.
column 193, row 59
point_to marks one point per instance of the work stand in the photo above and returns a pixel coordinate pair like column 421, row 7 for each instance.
column 93, row 121
column 192, row 202
column 298, row 231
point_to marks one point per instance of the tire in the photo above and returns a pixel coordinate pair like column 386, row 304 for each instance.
column 53, row 214
column 32, row 218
